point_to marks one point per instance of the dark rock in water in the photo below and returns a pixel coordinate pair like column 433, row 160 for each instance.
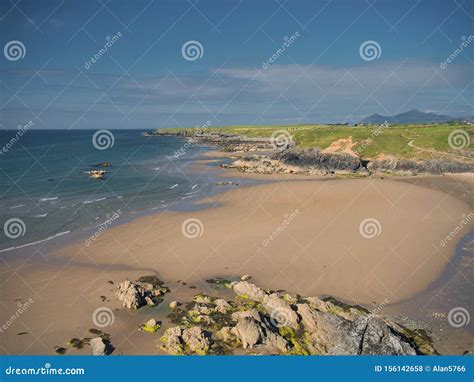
column 103, row 164
column 229, row 183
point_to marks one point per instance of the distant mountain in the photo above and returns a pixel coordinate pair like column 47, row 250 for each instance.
column 411, row 116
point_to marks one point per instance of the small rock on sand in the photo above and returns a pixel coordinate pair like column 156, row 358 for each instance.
column 98, row 346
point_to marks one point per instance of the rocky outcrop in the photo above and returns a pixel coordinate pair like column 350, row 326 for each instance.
column 146, row 291
column 98, row 346
column 192, row 340
column 248, row 290
column 265, row 322
column 97, row 174
column 319, row 160
column 435, row 166
column 314, row 161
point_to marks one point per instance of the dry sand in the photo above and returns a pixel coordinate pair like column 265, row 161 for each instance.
column 302, row 236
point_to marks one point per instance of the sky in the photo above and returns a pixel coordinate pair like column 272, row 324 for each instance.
column 148, row 64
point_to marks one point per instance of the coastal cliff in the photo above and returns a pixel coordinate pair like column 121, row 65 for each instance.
column 259, row 155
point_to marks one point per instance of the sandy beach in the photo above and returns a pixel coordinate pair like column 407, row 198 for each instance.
column 367, row 241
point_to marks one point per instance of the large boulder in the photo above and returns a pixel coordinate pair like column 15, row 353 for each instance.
column 196, row 340
column 332, row 334
column 280, row 311
column 193, row 340
column 248, row 290
column 249, row 332
column 137, row 294
column 98, row 346
column 173, row 343
column 131, row 295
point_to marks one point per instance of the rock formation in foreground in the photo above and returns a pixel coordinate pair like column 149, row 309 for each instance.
column 257, row 321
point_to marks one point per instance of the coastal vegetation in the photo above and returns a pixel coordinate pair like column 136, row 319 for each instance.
column 368, row 141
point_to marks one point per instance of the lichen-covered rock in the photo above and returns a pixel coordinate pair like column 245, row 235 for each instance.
column 367, row 334
column 248, row 290
column 193, row 340
column 275, row 343
column 222, row 306
column 172, row 340
column 196, row 340
column 224, row 334
column 249, row 332
column 280, row 311
column 252, row 313
column 261, row 322
column 380, row 338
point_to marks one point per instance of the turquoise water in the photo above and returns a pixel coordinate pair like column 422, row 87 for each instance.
column 44, row 181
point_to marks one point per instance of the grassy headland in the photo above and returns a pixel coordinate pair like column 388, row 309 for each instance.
column 402, row 141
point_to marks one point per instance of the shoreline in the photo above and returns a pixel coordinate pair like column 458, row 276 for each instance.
column 95, row 267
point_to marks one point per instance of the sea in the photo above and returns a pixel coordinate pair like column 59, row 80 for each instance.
column 48, row 194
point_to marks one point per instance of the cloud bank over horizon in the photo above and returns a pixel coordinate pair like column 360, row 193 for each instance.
column 80, row 72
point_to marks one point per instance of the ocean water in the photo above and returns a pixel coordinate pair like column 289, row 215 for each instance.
column 46, row 191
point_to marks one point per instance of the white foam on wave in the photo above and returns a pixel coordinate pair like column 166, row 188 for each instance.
column 93, row 201
column 40, row 215
column 47, row 199
column 35, row 242
column 18, row 206
column 174, row 186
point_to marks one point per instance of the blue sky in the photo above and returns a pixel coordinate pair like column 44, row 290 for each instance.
column 143, row 81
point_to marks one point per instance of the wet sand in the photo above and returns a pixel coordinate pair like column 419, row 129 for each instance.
column 303, row 236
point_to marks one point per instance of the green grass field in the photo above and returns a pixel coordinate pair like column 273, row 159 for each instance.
column 371, row 141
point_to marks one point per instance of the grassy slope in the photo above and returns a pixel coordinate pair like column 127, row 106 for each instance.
column 392, row 140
